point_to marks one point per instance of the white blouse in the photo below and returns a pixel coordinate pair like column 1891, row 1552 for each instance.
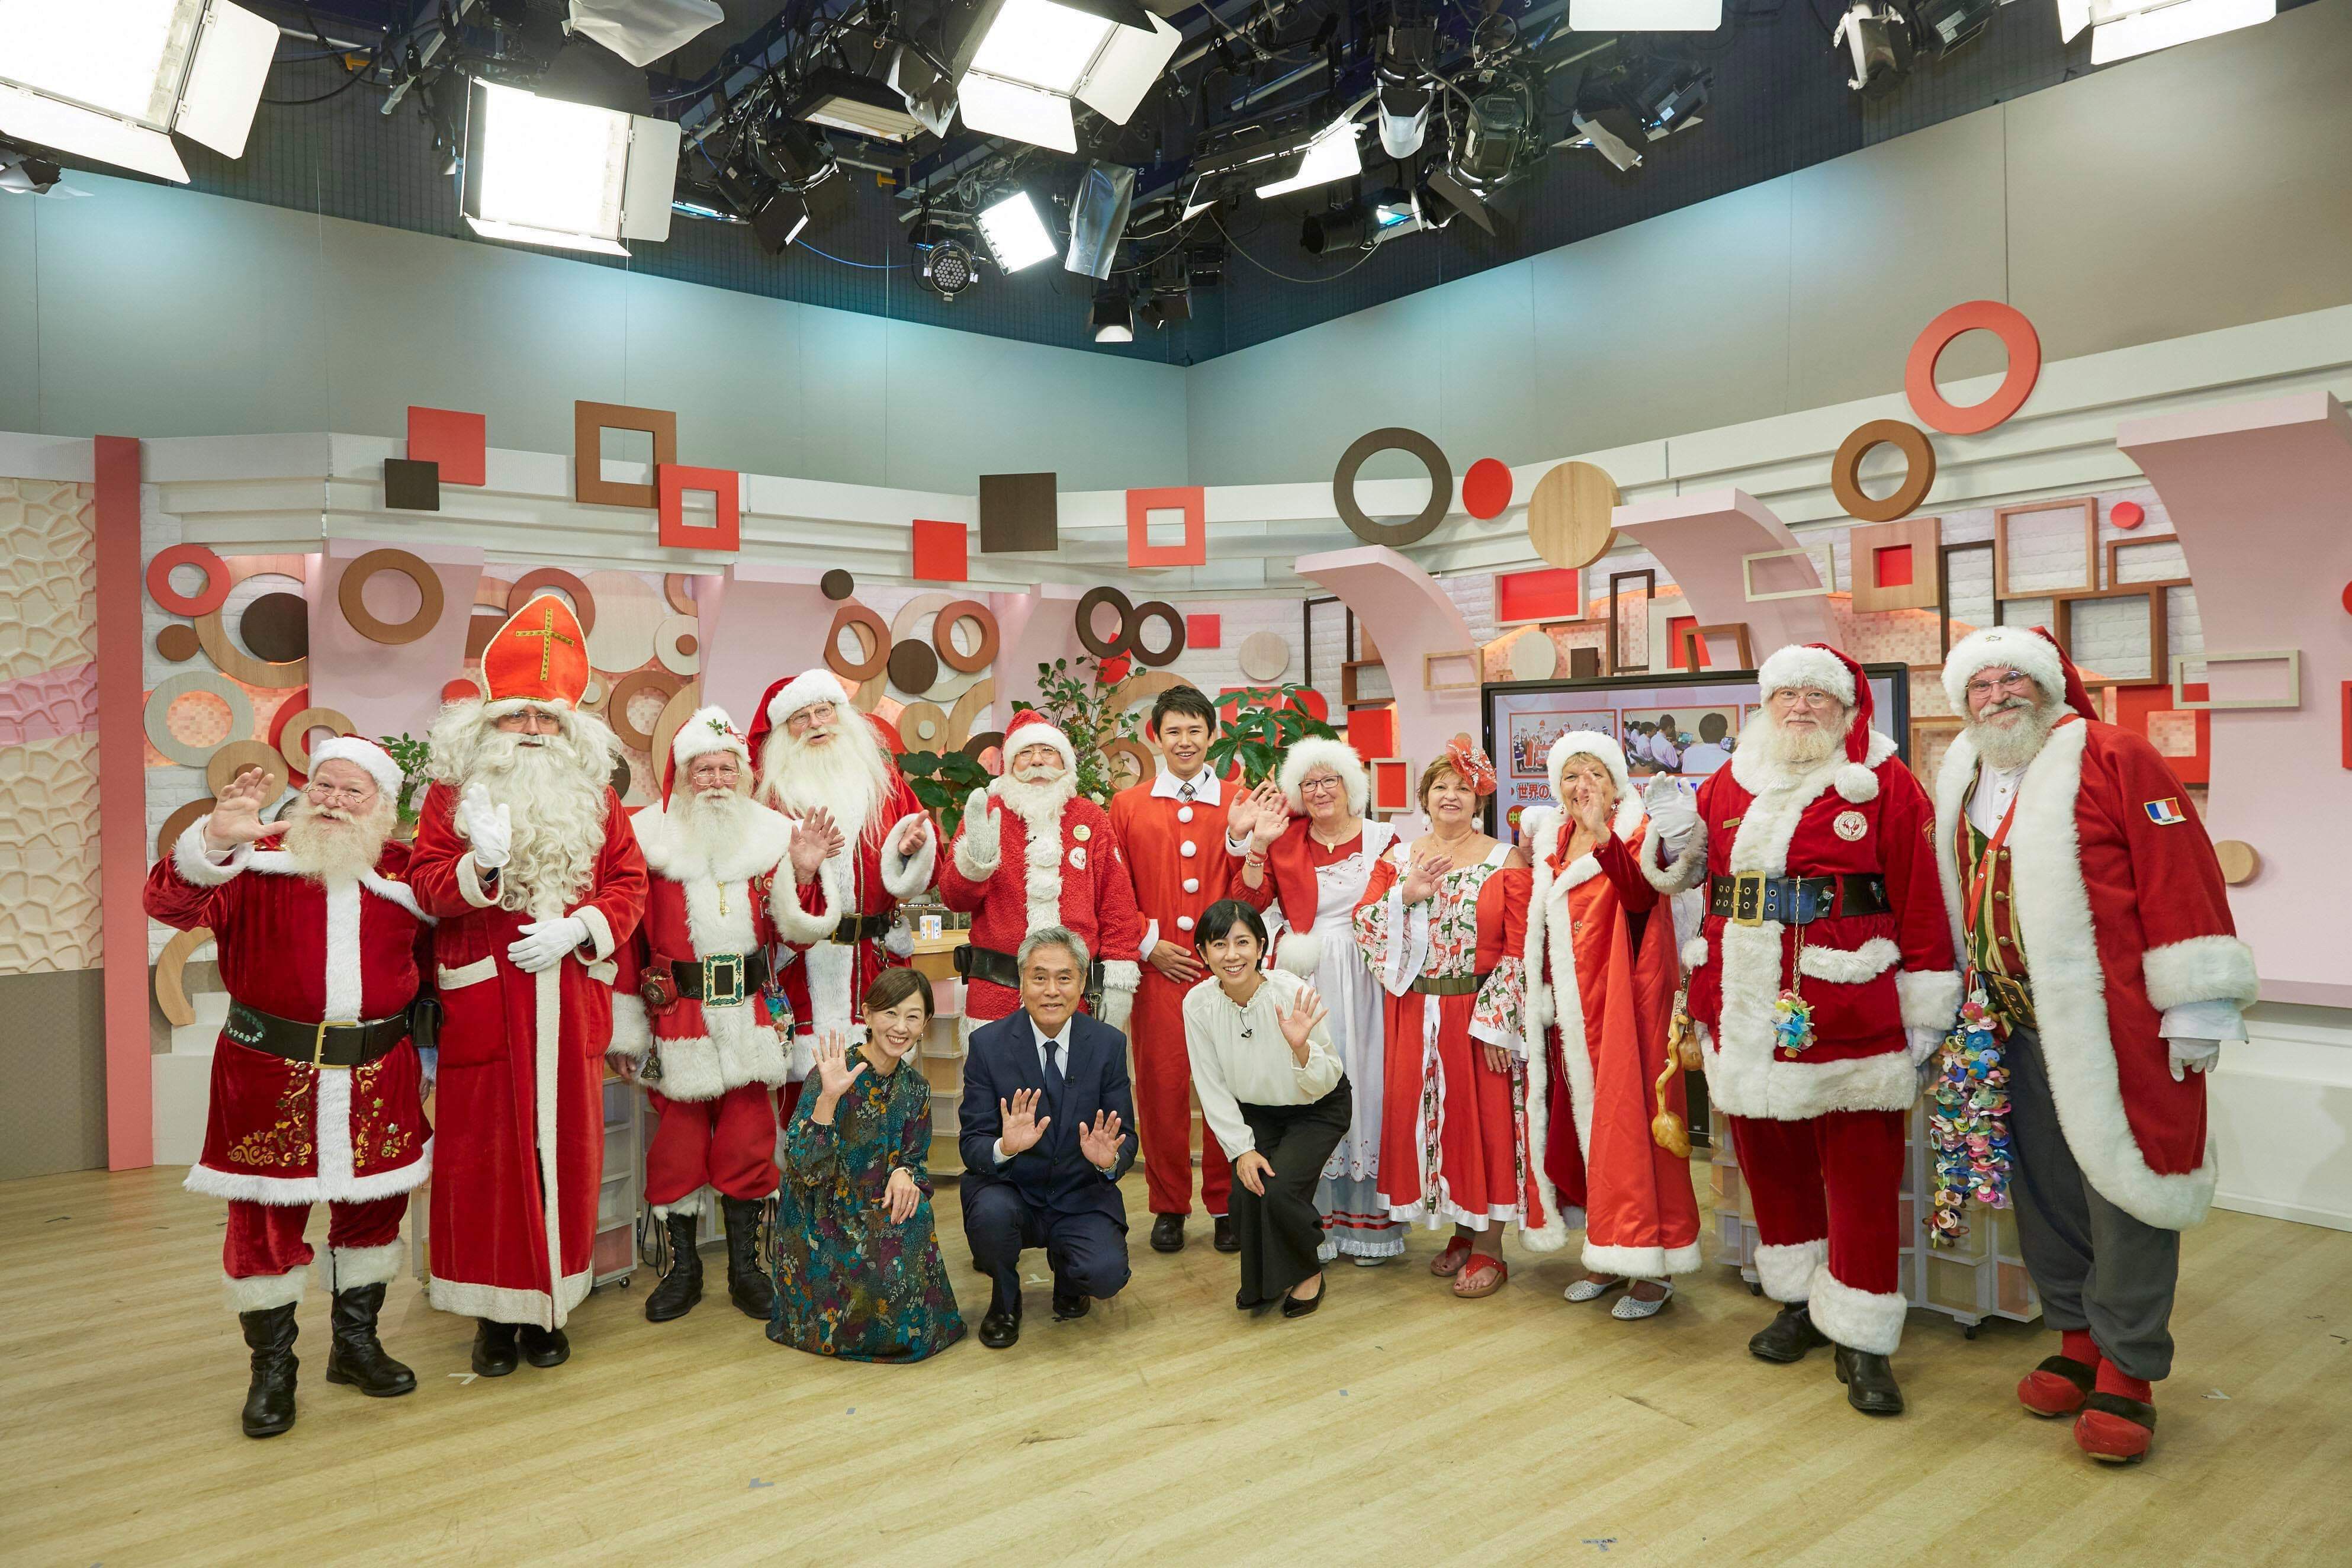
column 1239, row 1057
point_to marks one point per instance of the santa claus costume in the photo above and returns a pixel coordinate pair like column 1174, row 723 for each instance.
column 1458, row 1138
column 1602, row 973
column 1034, row 853
column 1310, row 892
column 844, row 929
column 693, row 1014
column 525, row 854
column 315, row 1083
column 1822, row 977
column 2085, row 897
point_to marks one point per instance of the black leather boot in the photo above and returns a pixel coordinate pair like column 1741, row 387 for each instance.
column 269, row 1402
column 681, row 1285
column 747, row 1282
column 1870, row 1385
column 356, row 1356
column 1788, row 1337
column 543, row 1347
column 1168, row 1233
column 494, row 1347
column 1224, row 1236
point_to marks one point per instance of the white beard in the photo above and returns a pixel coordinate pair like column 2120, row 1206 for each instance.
column 846, row 777
column 1790, row 752
column 708, row 827
column 2012, row 745
column 331, row 846
column 1033, row 798
column 557, row 807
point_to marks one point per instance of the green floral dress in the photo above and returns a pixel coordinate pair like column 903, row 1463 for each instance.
column 849, row 1282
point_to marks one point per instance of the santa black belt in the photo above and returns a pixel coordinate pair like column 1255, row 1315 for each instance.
column 861, row 927
column 1751, row 898
column 322, row 1045
column 973, row 961
column 722, row 980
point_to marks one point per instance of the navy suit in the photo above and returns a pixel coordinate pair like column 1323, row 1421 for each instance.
column 1048, row 1195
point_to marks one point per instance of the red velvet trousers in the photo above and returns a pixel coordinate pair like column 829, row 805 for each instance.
column 1836, row 1177
column 1163, row 1104
column 728, row 1143
column 265, row 1239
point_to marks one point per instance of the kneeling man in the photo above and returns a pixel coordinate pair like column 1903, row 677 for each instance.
column 1045, row 1118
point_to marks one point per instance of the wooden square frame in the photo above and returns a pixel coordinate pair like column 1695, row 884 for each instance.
column 1944, row 554
column 1429, row 661
column 1923, row 537
column 1649, row 579
column 671, row 481
column 2090, row 509
column 589, row 423
column 1826, row 570
column 2159, row 646
column 2181, row 661
column 1401, row 770
column 1694, row 637
column 2115, row 547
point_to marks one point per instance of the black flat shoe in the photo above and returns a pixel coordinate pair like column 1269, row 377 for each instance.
column 1227, row 1241
column 1788, row 1337
column 1168, row 1233
column 494, row 1348
column 545, row 1347
column 1870, row 1385
column 1292, row 1306
column 1068, row 1308
column 1000, row 1329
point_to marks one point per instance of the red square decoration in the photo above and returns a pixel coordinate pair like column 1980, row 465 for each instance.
column 1392, row 784
column 1373, row 730
column 1191, row 499
column 1548, row 594
column 458, row 442
column 942, row 551
column 1891, row 564
column 1204, row 631
column 672, row 480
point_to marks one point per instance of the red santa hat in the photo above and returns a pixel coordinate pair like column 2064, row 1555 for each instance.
column 709, row 730
column 539, row 658
column 2028, row 648
column 787, row 697
column 1323, row 751
column 364, row 754
column 1031, row 728
column 1822, row 668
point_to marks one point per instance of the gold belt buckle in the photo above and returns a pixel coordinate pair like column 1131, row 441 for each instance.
column 1747, row 898
column 722, row 980
column 319, row 1040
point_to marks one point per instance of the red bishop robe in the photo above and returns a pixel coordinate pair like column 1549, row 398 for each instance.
column 286, row 1132
column 1600, row 997
column 1081, row 883
column 2120, row 910
column 698, row 906
column 867, row 880
column 1866, row 977
column 521, row 1090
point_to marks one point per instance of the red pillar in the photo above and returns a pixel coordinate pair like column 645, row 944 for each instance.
column 122, row 808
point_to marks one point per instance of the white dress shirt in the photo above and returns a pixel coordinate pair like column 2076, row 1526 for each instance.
column 1240, row 1058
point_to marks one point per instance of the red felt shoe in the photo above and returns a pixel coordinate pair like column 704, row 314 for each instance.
column 2116, row 1430
column 2057, row 1387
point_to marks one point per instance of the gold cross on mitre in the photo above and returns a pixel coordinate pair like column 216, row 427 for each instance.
column 549, row 637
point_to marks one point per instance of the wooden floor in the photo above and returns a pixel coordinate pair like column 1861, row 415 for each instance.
column 1397, row 1425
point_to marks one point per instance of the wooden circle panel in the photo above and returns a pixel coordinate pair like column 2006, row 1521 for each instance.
column 584, row 603
column 2016, row 334
column 2239, row 861
column 171, row 975
column 1094, row 641
column 351, row 595
column 966, row 712
column 924, row 727
column 1135, row 754
column 213, row 636
column 177, row 823
column 157, row 714
column 674, row 715
column 294, row 734
column 1265, row 655
column 1918, row 477
column 1569, row 515
column 234, row 758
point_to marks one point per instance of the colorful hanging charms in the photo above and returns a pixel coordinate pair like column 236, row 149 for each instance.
column 1792, row 1023
column 1968, row 1123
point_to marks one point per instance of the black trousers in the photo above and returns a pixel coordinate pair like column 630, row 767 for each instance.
column 1280, row 1231
column 1087, row 1252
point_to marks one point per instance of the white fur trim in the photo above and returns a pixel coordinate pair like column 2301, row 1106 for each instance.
column 904, row 879
column 1587, row 743
column 2005, row 647
column 354, row 1268
column 832, row 968
column 1850, row 967
column 1300, row 952
column 1121, row 974
column 399, row 893
column 1857, row 783
column 706, row 730
column 762, row 846
column 2053, row 909
column 696, row 1205
column 1324, row 751
column 1799, row 664
column 469, row 882
column 1641, row 1262
column 794, row 920
column 189, row 859
column 632, row 1035
column 504, row 1304
column 1931, row 997
column 302, row 1190
column 600, row 931
column 2200, row 969
column 1695, row 953
column 1684, row 871
column 1039, row 731
column 259, row 1292
column 736, row 1051
column 806, row 689
column 1117, row 1006
column 1786, row 1272
column 366, row 755
column 547, row 1049
column 1042, row 864
column 500, row 707
column 1866, row 1320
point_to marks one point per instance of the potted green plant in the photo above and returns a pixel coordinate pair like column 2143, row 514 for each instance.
column 944, row 781
column 1256, row 725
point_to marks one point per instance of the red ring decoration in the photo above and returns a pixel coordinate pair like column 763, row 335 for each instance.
column 584, row 603
column 2016, row 333
column 1486, row 489
column 211, row 597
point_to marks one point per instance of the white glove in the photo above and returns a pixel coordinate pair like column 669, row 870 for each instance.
column 488, row 828
column 2192, row 1056
column 544, row 942
column 981, row 839
column 1673, row 817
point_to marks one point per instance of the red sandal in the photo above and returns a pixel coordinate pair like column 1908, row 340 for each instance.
column 1476, row 1281
column 1448, row 1263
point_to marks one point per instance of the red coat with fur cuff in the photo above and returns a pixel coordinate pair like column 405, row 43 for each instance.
column 2121, row 913
column 699, row 907
column 826, row 980
column 1866, row 977
column 1081, row 882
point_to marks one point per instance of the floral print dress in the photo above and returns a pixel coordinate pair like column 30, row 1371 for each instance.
column 850, row 1283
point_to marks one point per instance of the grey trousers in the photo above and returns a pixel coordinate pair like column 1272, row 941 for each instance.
column 2095, row 1266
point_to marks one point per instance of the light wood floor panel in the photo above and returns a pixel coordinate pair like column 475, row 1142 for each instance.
column 1396, row 1425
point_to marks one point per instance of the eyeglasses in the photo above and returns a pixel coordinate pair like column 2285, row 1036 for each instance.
column 2005, row 680
column 814, row 713
column 1323, row 784
column 330, row 794
column 1805, row 695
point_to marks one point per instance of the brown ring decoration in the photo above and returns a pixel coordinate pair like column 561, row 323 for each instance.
column 350, row 594
column 1094, row 599
column 1159, row 610
column 674, row 590
column 244, row 567
column 914, row 715
column 968, row 708
column 975, row 746
column 1394, row 439
column 177, row 823
column 171, row 966
column 1146, row 765
column 674, row 715
column 584, row 603
column 294, row 740
column 874, row 632
column 234, row 757
column 625, row 692
column 1918, row 477
column 913, row 666
column 233, row 661
column 944, row 625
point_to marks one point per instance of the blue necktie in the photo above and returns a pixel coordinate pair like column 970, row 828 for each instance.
column 1053, row 1077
